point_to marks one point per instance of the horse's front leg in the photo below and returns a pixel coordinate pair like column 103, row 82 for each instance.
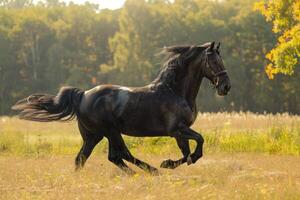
column 182, row 138
column 188, row 133
column 183, row 144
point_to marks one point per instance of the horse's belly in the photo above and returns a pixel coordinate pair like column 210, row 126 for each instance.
column 145, row 133
column 147, row 125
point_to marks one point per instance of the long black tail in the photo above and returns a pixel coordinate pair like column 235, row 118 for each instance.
column 45, row 108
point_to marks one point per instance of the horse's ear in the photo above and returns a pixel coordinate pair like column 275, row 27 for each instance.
column 212, row 45
column 218, row 46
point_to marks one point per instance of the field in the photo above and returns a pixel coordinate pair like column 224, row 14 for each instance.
column 246, row 156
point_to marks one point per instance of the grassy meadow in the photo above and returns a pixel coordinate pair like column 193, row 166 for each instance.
column 246, row 156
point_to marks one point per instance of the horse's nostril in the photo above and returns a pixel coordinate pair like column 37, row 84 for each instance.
column 227, row 87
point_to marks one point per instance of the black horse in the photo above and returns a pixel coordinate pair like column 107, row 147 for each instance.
column 165, row 107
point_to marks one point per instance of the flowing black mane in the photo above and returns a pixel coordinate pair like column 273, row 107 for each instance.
column 177, row 58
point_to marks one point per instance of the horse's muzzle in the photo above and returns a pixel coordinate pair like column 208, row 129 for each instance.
column 224, row 85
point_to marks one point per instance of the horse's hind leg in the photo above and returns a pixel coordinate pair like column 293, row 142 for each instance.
column 90, row 140
column 141, row 164
column 183, row 144
column 118, row 145
column 116, row 152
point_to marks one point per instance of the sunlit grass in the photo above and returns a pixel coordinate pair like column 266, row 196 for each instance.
column 236, row 132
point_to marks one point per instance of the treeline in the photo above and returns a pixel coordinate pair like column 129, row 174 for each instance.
column 51, row 44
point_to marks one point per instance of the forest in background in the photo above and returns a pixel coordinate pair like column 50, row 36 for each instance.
column 50, row 44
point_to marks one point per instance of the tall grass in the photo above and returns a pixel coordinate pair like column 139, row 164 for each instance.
column 223, row 132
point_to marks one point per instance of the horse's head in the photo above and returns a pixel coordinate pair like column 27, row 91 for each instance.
column 215, row 71
column 194, row 62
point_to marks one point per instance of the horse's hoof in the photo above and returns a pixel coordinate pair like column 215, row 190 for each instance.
column 78, row 168
column 129, row 172
column 168, row 164
column 154, row 172
column 189, row 160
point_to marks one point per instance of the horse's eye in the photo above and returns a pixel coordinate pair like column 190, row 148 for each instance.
column 215, row 80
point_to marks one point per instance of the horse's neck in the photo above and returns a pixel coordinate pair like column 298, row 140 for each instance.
column 187, row 87
column 191, row 85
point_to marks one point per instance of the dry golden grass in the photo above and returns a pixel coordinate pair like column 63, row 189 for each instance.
column 238, row 176
column 247, row 156
column 245, row 121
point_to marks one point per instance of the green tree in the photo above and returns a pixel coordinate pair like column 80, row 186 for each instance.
column 9, row 72
column 132, row 46
column 16, row 3
column 32, row 38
